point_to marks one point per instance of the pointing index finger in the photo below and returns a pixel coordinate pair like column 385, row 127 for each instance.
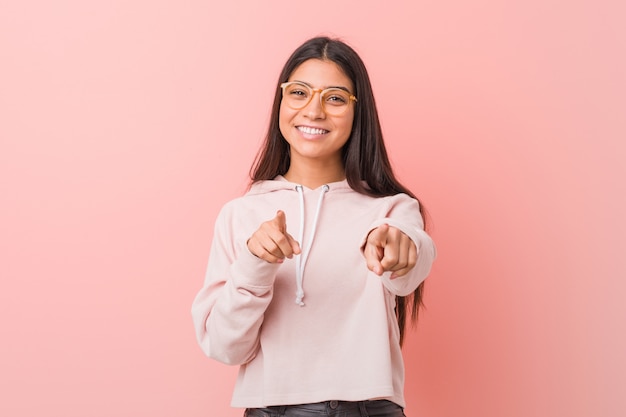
column 282, row 221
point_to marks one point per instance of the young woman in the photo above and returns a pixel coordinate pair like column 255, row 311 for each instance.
column 313, row 272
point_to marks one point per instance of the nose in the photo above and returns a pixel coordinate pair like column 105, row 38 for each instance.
column 314, row 108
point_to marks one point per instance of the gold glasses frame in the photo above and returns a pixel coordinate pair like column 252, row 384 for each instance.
column 322, row 93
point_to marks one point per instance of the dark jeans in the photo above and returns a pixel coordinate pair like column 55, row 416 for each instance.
column 376, row 408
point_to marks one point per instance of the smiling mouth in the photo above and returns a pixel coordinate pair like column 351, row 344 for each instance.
column 312, row 130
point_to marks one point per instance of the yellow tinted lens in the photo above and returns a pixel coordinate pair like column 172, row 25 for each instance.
column 296, row 95
column 335, row 100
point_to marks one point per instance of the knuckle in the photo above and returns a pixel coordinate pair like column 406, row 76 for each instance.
column 275, row 251
column 392, row 258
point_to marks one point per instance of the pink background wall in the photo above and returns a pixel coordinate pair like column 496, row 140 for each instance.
column 125, row 125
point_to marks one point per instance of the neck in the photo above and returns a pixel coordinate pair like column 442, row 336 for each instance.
column 313, row 175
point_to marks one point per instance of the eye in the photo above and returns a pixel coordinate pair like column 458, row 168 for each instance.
column 297, row 92
column 337, row 97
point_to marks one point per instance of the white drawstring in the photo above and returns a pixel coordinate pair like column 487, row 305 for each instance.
column 302, row 258
column 299, row 290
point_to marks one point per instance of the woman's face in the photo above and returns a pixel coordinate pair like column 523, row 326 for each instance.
column 312, row 134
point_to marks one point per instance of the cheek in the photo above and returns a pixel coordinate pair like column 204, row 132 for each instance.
column 285, row 116
column 283, row 120
column 346, row 126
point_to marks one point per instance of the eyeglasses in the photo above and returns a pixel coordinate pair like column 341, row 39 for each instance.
column 335, row 101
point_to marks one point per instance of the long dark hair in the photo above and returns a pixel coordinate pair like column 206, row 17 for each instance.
column 367, row 167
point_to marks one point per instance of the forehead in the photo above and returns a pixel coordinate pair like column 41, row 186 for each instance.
column 321, row 74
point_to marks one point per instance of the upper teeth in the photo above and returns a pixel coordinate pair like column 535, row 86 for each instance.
column 311, row 130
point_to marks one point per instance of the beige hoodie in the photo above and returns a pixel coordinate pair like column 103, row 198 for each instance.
column 343, row 342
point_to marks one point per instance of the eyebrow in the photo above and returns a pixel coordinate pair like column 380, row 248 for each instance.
column 340, row 87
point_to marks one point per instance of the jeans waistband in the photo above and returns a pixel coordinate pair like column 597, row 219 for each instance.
column 350, row 408
column 328, row 405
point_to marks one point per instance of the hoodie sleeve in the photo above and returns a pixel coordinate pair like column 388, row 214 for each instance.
column 403, row 214
column 229, row 309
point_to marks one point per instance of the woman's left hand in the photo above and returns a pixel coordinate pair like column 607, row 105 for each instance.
column 389, row 249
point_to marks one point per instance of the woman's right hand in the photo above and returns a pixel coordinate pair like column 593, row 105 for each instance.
column 271, row 242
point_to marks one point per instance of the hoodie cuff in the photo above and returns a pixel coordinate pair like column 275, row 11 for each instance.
column 252, row 273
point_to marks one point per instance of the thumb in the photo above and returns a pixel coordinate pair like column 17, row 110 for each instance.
column 378, row 236
column 295, row 246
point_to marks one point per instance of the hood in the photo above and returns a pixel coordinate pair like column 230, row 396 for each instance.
column 281, row 183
